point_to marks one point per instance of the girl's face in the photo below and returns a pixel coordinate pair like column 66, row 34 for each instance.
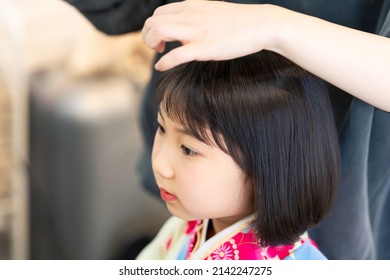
column 196, row 180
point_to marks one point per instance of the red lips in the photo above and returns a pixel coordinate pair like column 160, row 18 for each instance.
column 166, row 196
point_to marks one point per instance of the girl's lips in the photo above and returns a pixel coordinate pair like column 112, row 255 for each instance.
column 166, row 196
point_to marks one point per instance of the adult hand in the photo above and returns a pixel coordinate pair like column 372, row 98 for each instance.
column 211, row 30
column 355, row 61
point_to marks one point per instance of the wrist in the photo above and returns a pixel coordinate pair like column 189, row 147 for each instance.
column 281, row 28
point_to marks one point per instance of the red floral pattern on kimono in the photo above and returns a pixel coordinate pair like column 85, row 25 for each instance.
column 183, row 240
column 242, row 245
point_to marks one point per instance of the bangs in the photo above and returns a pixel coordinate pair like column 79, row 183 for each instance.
column 186, row 98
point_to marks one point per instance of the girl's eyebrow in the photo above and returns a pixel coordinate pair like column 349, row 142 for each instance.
column 159, row 113
column 183, row 130
column 180, row 130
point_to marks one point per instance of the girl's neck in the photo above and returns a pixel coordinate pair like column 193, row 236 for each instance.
column 218, row 224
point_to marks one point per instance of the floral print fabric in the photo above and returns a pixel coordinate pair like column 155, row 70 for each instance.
column 181, row 240
column 241, row 245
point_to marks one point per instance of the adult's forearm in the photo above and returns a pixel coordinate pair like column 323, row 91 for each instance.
column 355, row 61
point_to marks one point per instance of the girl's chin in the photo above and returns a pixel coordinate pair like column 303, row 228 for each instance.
column 181, row 214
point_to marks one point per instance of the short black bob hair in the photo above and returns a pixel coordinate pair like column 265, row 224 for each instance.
column 275, row 120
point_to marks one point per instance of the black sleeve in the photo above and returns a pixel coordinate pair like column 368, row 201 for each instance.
column 115, row 17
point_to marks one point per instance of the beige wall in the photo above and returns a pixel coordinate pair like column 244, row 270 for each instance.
column 50, row 36
column 54, row 35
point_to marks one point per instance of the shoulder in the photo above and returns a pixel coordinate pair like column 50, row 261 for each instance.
column 172, row 229
column 173, row 222
column 170, row 233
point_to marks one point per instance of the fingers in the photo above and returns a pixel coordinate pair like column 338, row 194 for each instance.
column 161, row 29
column 171, row 22
column 177, row 7
column 160, row 47
column 207, row 30
column 172, row 8
column 178, row 56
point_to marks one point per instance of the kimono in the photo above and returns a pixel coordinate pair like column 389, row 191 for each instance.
column 186, row 240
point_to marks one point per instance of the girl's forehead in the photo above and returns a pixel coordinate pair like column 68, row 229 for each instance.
column 172, row 121
column 200, row 131
column 176, row 124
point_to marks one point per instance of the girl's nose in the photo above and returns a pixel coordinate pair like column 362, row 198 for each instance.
column 162, row 160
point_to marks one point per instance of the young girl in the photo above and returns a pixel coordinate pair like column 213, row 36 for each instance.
column 246, row 158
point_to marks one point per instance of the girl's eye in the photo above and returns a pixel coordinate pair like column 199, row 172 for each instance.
column 187, row 151
column 160, row 129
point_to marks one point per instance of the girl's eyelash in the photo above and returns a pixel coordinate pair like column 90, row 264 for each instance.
column 188, row 152
column 160, row 128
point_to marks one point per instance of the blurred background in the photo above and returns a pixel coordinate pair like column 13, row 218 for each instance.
column 69, row 137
